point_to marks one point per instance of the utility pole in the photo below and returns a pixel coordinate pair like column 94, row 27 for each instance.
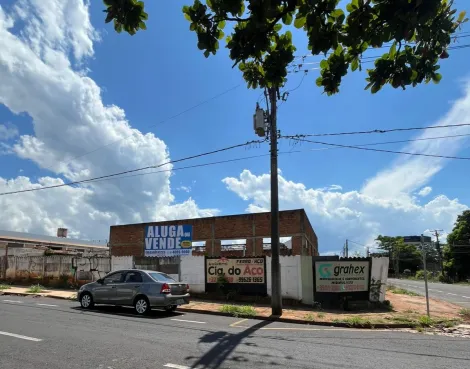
column 276, row 299
column 346, row 250
column 259, row 122
column 438, row 248
column 423, row 249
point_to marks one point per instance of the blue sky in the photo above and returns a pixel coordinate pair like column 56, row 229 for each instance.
column 116, row 83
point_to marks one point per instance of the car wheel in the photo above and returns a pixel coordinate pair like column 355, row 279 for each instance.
column 142, row 305
column 170, row 308
column 86, row 300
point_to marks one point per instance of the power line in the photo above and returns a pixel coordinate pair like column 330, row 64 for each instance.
column 383, row 130
column 154, row 124
column 378, row 150
column 134, row 170
column 388, row 45
column 366, row 59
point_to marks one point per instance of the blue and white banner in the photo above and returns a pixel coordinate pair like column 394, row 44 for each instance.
column 168, row 240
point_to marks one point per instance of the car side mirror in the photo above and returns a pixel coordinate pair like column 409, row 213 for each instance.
column 100, row 281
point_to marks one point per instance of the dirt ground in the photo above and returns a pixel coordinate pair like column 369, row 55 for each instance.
column 405, row 309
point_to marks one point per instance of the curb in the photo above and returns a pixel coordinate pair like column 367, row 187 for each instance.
column 303, row 322
column 35, row 295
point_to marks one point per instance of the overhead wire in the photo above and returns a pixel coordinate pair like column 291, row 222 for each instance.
column 378, row 150
column 154, row 124
column 133, row 170
column 121, row 176
column 389, row 130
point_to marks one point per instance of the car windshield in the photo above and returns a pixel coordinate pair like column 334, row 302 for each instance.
column 162, row 277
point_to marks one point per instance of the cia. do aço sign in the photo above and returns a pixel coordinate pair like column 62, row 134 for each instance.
column 342, row 276
column 243, row 270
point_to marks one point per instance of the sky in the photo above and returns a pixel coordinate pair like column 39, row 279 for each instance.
column 78, row 101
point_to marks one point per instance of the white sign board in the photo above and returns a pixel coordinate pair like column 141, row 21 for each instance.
column 341, row 276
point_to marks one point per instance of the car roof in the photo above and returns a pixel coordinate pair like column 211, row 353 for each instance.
column 138, row 270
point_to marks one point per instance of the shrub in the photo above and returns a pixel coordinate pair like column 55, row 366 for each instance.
column 465, row 313
column 35, row 288
column 238, row 311
column 4, row 287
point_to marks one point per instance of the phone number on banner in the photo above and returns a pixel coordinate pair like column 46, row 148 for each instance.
column 167, row 253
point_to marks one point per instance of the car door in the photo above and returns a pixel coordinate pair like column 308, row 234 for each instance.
column 130, row 287
column 106, row 293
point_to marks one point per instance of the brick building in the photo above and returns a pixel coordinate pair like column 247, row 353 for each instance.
column 128, row 240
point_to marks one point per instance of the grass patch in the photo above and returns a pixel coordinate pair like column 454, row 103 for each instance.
column 4, row 287
column 35, row 288
column 357, row 321
column 464, row 312
column 238, row 311
column 401, row 291
column 310, row 317
column 321, row 315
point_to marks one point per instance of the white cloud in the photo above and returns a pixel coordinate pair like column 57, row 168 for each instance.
column 336, row 215
column 186, row 189
column 425, row 191
column 8, row 131
column 70, row 119
column 407, row 173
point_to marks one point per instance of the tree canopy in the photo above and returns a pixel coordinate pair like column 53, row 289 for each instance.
column 457, row 250
column 417, row 34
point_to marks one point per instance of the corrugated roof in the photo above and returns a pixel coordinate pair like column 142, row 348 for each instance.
column 59, row 241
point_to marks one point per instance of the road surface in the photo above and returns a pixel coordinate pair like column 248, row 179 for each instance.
column 56, row 334
column 456, row 294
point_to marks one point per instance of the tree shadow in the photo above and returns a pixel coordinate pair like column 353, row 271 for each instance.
column 226, row 344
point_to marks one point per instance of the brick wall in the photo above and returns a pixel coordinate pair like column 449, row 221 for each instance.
column 126, row 240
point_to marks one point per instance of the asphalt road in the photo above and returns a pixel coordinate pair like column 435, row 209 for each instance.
column 47, row 333
column 456, row 294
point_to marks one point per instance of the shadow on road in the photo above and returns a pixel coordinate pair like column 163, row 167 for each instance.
column 128, row 311
column 225, row 345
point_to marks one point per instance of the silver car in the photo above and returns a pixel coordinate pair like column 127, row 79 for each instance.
column 143, row 289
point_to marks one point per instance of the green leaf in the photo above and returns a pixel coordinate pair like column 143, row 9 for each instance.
column 324, row 64
column 186, row 15
column 393, row 50
column 142, row 25
column 319, row 81
column 414, row 75
column 192, row 26
column 436, row 78
column 206, row 53
column 221, row 35
column 300, row 22
column 287, row 19
column 375, row 88
column 222, row 24
column 461, row 16
column 354, row 64
column 277, row 27
column 337, row 13
column 339, row 50
column 349, row 8
column 355, row 4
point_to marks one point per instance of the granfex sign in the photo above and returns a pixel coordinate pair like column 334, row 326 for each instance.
column 342, row 276
column 247, row 275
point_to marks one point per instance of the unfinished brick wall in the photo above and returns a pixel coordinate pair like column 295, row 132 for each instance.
column 126, row 240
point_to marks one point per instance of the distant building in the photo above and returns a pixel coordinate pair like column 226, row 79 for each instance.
column 21, row 243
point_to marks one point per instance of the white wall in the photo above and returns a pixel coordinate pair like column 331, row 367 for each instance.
column 379, row 272
column 307, row 279
column 192, row 272
column 291, row 282
column 122, row 262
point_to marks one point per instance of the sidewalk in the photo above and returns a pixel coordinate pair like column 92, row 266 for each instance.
column 23, row 291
